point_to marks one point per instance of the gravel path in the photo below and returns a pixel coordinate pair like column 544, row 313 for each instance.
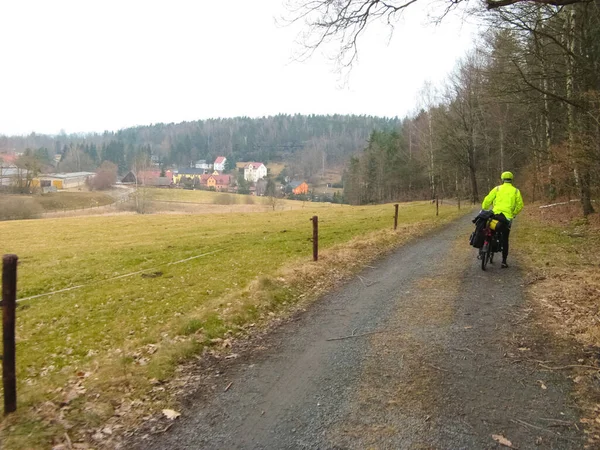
column 451, row 363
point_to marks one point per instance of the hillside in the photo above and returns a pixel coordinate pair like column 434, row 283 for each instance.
column 307, row 142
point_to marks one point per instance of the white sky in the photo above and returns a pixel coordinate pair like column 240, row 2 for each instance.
column 104, row 65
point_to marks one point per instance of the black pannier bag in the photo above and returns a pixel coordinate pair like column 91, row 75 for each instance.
column 478, row 236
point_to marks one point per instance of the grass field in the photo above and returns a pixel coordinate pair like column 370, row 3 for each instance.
column 223, row 198
column 87, row 353
column 204, row 197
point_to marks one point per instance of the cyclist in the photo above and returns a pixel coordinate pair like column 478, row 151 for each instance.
column 507, row 203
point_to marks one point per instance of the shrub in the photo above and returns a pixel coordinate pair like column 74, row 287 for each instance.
column 224, row 199
column 106, row 176
column 19, row 208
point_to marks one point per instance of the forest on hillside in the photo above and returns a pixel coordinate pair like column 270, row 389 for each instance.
column 527, row 99
column 305, row 142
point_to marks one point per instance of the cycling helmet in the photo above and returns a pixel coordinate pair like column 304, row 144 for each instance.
column 507, row 176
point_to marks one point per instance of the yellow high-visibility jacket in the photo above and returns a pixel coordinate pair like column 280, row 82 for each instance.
column 505, row 199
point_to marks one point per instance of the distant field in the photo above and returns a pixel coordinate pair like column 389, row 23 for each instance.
column 205, row 197
column 72, row 200
column 275, row 168
column 104, row 343
column 29, row 206
column 223, row 198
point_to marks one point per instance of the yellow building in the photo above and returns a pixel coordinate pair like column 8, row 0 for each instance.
column 62, row 180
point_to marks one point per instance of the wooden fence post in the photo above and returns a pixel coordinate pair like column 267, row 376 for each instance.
column 9, row 306
column 315, row 221
column 396, row 216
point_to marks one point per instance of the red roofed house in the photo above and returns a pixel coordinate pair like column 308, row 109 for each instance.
column 8, row 158
column 220, row 163
column 217, row 182
column 254, row 171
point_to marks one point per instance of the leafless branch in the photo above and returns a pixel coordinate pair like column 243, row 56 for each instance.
column 543, row 91
column 494, row 4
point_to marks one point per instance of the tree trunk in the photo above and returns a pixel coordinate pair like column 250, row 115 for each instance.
column 431, row 158
column 586, row 197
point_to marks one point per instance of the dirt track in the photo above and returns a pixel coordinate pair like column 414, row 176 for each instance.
column 455, row 358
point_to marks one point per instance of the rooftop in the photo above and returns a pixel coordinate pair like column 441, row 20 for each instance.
column 66, row 175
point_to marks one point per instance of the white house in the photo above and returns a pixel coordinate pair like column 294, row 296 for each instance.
column 9, row 174
column 202, row 164
column 254, row 171
column 220, row 163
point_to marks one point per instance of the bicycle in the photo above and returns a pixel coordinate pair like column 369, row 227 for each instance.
column 491, row 245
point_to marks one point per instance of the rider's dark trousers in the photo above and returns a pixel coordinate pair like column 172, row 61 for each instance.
column 504, row 237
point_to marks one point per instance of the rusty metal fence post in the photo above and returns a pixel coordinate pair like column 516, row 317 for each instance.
column 315, row 239
column 396, row 216
column 9, row 306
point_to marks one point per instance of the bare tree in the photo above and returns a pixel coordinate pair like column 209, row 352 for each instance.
column 105, row 177
column 142, row 195
column 344, row 21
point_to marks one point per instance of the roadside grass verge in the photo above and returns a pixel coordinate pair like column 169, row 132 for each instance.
column 560, row 252
column 100, row 354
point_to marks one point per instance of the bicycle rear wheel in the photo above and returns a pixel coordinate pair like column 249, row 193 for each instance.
column 485, row 255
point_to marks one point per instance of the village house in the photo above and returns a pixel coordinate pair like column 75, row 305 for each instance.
column 70, row 180
column 299, row 187
column 149, row 178
column 10, row 175
column 202, row 164
column 254, row 171
column 220, row 163
column 215, row 181
column 190, row 174
column 9, row 171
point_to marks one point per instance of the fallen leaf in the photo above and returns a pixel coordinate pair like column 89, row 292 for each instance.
column 171, row 414
column 502, row 440
column 542, row 385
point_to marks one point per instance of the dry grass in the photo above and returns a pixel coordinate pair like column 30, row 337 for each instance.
column 58, row 201
column 560, row 251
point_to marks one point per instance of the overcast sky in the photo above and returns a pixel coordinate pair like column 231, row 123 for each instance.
column 90, row 65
